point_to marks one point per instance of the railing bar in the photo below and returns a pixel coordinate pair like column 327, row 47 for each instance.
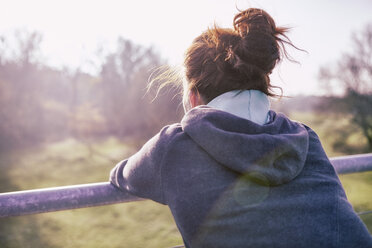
column 352, row 163
column 97, row 194
column 61, row 198
column 365, row 212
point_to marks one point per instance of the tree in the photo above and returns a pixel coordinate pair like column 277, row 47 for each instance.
column 34, row 97
column 126, row 107
column 21, row 112
column 350, row 82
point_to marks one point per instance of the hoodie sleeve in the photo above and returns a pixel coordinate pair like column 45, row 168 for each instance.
column 141, row 174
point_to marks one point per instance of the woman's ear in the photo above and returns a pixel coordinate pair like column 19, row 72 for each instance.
column 195, row 98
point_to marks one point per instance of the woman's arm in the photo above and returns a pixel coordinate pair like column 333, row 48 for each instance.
column 141, row 174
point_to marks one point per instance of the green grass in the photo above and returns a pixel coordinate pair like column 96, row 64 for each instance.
column 358, row 188
column 137, row 224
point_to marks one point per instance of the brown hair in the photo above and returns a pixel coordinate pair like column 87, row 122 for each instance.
column 221, row 60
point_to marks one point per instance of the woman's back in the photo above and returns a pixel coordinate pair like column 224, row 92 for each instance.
column 233, row 205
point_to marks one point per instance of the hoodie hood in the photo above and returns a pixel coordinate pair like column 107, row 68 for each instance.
column 271, row 154
column 252, row 105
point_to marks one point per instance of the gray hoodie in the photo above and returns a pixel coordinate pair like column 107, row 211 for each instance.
column 230, row 182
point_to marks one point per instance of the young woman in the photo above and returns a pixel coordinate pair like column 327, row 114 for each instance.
column 233, row 172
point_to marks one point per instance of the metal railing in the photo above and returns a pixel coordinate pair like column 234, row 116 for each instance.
column 97, row 194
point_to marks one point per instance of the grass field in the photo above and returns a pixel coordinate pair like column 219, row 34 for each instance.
column 138, row 224
column 141, row 224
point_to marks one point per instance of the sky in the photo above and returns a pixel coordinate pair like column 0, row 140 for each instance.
column 73, row 30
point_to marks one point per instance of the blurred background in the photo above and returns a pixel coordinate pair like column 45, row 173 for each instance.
column 73, row 100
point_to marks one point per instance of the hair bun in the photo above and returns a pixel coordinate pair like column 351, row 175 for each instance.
column 224, row 59
column 254, row 20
